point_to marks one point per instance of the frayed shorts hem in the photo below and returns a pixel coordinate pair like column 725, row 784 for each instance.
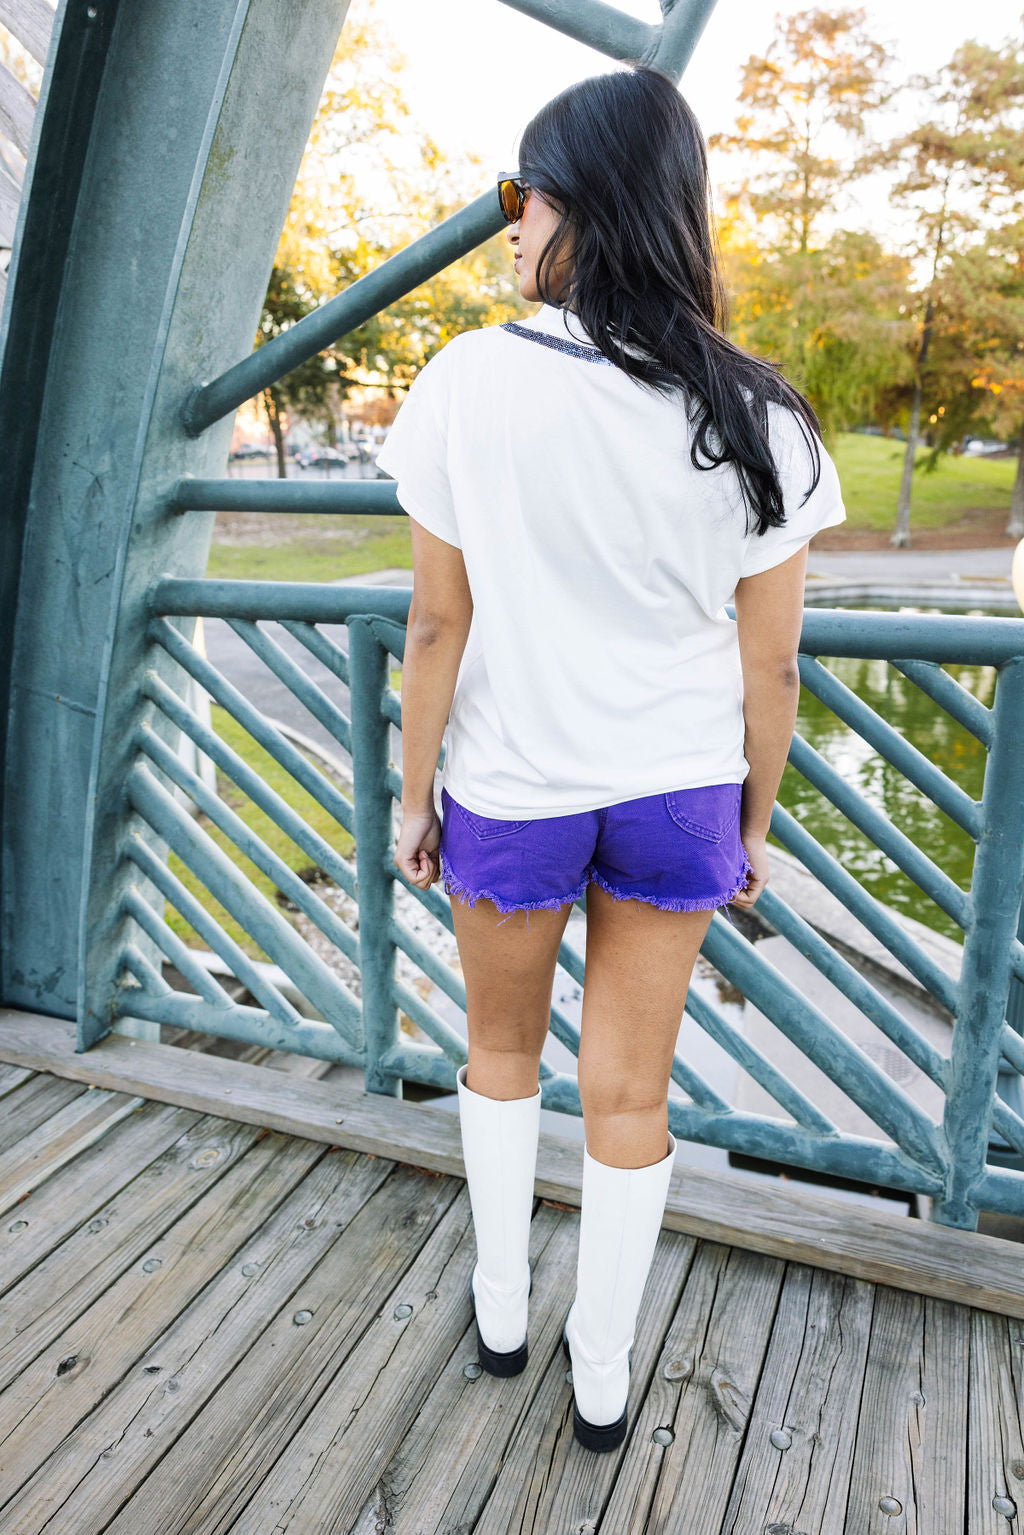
column 458, row 888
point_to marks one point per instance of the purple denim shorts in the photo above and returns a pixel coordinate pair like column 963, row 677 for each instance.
column 680, row 851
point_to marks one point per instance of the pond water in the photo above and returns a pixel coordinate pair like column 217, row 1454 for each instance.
column 933, row 732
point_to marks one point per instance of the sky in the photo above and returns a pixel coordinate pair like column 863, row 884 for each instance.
column 478, row 69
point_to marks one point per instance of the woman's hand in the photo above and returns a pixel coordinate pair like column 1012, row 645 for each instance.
column 757, row 852
column 416, row 853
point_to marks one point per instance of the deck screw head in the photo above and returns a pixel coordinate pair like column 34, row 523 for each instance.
column 302, row 1317
column 890, row 1505
column 401, row 1312
column 98, row 1224
column 781, row 1438
column 1004, row 1506
column 663, row 1436
column 151, row 1265
column 249, row 1269
column 471, row 1371
column 17, row 1226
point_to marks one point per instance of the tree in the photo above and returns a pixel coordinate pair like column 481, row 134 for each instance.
column 831, row 316
column 808, row 103
column 959, row 172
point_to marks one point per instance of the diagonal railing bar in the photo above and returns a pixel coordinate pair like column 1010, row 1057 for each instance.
column 248, row 1025
column 946, row 894
column 430, row 1021
column 250, row 782
column 898, row 751
column 878, row 920
column 236, row 703
column 670, row 45
column 179, row 954
column 210, row 930
column 147, row 975
column 853, row 985
column 700, row 1092
column 364, row 299
column 757, row 1066
column 249, row 843
column 833, row 1052
column 298, row 682
column 878, row 1009
column 602, row 27
column 950, row 695
column 327, row 651
column 274, row 934
column 847, row 1156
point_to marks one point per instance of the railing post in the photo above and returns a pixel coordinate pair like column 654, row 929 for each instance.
column 371, row 756
column 985, row 976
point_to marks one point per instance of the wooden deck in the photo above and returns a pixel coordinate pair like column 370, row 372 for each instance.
column 209, row 1325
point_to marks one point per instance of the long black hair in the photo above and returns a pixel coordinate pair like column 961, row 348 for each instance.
column 622, row 159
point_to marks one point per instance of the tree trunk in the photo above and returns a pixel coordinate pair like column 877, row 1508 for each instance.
column 272, row 408
column 1015, row 526
column 901, row 534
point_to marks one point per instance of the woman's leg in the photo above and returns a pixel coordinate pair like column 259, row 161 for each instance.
column 639, row 960
column 509, row 971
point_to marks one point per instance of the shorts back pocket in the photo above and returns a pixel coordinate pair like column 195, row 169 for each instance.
column 487, row 826
column 709, row 811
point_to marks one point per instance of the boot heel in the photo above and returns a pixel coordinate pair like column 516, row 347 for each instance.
column 596, row 1436
column 495, row 1363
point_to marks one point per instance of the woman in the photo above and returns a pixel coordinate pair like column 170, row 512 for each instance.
column 587, row 488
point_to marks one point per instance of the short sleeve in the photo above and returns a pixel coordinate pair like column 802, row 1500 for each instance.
column 823, row 508
column 415, row 451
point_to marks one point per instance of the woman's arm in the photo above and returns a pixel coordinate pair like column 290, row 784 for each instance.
column 769, row 616
column 439, row 619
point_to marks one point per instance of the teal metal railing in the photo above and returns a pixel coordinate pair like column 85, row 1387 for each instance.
column 945, row 1160
column 124, row 293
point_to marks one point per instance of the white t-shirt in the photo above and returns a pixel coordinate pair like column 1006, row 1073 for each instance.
column 600, row 664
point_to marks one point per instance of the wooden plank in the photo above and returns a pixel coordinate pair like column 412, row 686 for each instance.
column 440, row 1475
column 75, row 1196
column 909, row 1471
column 777, row 1220
column 31, row 1104
column 345, row 1276
column 12, row 1077
column 794, row 1473
column 17, row 110
column 995, row 1456
column 63, row 1136
column 31, row 22
column 702, row 1392
column 54, row 1294
column 545, row 1480
column 370, row 1404
column 84, row 1362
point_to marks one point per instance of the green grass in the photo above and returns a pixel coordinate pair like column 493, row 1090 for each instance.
column 316, row 549
column 311, row 811
column 870, row 469
column 310, row 548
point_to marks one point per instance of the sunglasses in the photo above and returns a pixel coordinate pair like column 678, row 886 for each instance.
column 512, row 194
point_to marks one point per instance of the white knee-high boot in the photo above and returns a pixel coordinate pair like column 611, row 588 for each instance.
column 620, row 1218
column 499, row 1149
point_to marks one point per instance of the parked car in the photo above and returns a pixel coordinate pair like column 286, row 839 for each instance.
column 252, row 450
column 979, row 447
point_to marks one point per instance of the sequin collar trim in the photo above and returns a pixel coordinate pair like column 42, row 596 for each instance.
column 560, row 343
